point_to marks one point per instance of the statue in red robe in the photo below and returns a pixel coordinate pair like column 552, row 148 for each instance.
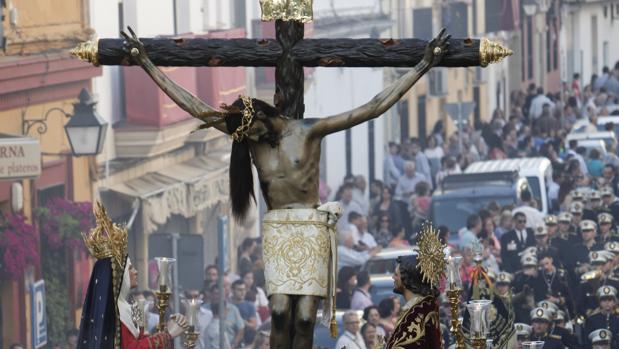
column 418, row 326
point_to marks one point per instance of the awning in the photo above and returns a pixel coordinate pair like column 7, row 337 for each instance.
column 185, row 188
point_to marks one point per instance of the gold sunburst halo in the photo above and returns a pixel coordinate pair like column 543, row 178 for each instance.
column 431, row 259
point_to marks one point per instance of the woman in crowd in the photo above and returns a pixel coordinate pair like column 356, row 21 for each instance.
column 368, row 333
column 261, row 301
column 384, row 233
column 346, row 283
column 371, row 315
column 399, row 240
column 386, row 308
column 388, row 207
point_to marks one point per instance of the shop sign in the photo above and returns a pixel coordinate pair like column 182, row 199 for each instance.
column 20, row 157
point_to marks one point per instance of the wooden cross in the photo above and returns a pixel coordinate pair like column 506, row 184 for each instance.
column 289, row 53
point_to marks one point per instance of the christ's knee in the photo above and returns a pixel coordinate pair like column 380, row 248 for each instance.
column 304, row 324
column 280, row 311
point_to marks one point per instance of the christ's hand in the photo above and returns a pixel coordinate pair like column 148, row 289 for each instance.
column 134, row 47
column 436, row 49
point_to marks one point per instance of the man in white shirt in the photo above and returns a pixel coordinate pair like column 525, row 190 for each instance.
column 358, row 194
column 348, row 205
column 407, row 182
column 359, row 228
column 361, row 295
column 351, row 338
column 534, row 216
column 538, row 104
column 347, row 256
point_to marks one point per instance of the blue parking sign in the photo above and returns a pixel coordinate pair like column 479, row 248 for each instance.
column 39, row 318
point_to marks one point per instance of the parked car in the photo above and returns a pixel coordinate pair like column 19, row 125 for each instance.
column 384, row 261
column 607, row 136
column 464, row 194
column 537, row 171
column 579, row 125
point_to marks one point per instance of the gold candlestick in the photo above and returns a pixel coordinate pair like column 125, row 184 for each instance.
column 453, row 295
column 191, row 337
column 163, row 297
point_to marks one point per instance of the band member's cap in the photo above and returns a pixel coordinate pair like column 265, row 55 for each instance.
column 600, row 257
column 560, row 316
column 605, row 217
column 522, row 329
column 601, row 336
column 577, row 195
column 612, row 246
column 606, row 291
column 531, row 250
column 594, row 195
column 541, row 230
column 540, row 313
column 550, row 307
column 528, row 260
column 588, row 224
column 564, row 217
column 551, row 219
column 606, row 191
column 504, row 278
column 576, row 208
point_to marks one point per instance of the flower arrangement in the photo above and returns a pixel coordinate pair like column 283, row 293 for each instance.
column 63, row 222
column 18, row 245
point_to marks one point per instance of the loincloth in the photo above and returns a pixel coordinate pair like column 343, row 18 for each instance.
column 297, row 249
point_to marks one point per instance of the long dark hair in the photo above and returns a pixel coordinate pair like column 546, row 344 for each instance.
column 241, row 176
column 412, row 279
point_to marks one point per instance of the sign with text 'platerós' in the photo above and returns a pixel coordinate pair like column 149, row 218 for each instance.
column 20, row 157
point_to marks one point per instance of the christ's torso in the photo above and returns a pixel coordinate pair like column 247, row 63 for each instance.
column 289, row 172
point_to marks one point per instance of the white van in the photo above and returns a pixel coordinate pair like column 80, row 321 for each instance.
column 537, row 171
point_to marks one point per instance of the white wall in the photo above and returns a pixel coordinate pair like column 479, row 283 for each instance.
column 577, row 22
column 106, row 88
column 335, row 90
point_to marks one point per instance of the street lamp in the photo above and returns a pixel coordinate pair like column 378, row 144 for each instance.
column 85, row 130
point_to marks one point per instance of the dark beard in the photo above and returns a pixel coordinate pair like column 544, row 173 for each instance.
column 397, row 290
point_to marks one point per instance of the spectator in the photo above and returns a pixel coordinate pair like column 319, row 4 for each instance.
column 505, row 224
column 599, row 82
column 211, row 276
column 449, row 166
column 348, row 205
column 388, row 207
column 262, row 302
column 528, row 207
column 594, row 164
column 421, row 160
column 359, row 228
column 247, row 249
column 371, row 315
column 346, row 283
column 393, row 165
column 361, row 295
column 468, row 236
column 406, row 183
column 358, row 194
column 211, row 335
column 399, row 240
column 348, row 256
column 421, row 202
column 246, row 309
column 261, row 341
column 376, row 192
column 351, row 338
column 434, row 152
column 234, row 323
column 384, row 234
column 537, row 104
column 368, row 333
column 386, row 308
column 514, row 242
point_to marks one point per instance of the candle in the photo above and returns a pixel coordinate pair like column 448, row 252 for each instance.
column 163, row 273
column 192, row 307
column 453, row 271
column 477, row 311
column 163, row 264
column 142, row 311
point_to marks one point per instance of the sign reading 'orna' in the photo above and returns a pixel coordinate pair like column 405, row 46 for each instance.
column 20, row 157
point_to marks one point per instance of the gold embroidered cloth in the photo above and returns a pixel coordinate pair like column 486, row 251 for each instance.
column 287, row 10
column 297, row 248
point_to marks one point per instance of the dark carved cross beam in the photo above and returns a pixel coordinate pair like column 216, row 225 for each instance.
column 289, row 53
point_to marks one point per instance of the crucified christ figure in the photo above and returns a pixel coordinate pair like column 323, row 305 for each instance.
column 286, row 153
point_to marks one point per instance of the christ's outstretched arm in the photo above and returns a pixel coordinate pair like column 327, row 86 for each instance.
column 187, row 101
column 435, row 51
